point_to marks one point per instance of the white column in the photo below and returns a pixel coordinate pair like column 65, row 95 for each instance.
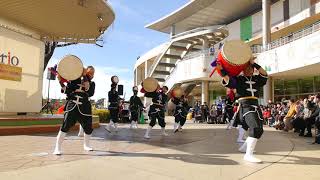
column 266, row 27
column 173, row 31
column 205, row 92
column 267, row 91
column 135, row 77
column 146, row 69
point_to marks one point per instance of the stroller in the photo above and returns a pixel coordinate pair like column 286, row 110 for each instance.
column 124, row 112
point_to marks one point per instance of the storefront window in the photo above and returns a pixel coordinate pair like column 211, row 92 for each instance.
column 306, row 85
column 290, row 87
column 317, row 84
column 278, row 87
column 298, row 88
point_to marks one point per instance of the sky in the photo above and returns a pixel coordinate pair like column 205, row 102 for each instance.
column 124, row 41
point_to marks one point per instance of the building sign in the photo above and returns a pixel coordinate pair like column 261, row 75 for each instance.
column 11, row 73
column 8, row 67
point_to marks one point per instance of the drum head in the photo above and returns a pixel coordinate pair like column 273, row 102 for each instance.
column 114, row 79
column 70, row 68
column 150, row 84
column 177, row 92
column 236, row 52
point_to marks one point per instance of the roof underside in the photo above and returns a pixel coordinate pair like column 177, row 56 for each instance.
column 201, row 13
column 60, row 19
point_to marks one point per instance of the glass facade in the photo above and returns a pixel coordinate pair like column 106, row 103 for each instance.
column 296, row 88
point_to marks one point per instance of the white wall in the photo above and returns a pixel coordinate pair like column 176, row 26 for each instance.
column 256, row 24
column 234, row 30
column 24, row 95
column 276, row 13
column 299, row 10
column 194, row 68
column 297, row 54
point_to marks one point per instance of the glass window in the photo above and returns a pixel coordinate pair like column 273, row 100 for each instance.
column 306, row 85
column 317, row 84
column 278, row 87
column 290, row 87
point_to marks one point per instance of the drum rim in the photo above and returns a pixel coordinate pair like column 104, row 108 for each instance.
column 155, row 80
column 70, row 55
column 224, row 56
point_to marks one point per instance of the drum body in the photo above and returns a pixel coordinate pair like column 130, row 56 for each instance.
column 70, row 67
column 150, row 84
column 234, row 57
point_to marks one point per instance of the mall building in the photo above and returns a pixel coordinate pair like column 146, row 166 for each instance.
column 25, row 26
column 283, row 34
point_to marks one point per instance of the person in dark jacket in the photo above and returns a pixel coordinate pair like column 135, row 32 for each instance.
column 157, row 109
column 78, row 108
column 136, row 107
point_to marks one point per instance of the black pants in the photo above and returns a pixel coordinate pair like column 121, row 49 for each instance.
column 250, row 117
column 228, row 114
column 134, row 115
column 180, row 119
column 114, row 114
column 299, row 124
column 157, row 115
column 73, row 115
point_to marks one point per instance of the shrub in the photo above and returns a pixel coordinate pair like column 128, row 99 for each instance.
column 104, row 115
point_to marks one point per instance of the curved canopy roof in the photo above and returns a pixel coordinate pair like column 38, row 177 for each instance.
column 201, row 13
column 61, row 20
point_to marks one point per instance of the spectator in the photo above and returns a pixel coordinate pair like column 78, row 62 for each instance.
column 290, row 115
column 315, row 113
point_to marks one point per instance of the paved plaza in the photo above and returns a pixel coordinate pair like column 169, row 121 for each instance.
column 201, row 151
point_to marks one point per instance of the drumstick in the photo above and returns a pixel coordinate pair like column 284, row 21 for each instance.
column 213, row 70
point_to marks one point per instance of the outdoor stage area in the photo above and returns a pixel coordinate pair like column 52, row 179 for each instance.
column 201, row 151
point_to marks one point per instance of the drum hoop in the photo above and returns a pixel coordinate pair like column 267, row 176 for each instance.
column 224, row 57
column 76, row 57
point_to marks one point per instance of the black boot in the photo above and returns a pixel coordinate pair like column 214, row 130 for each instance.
column 301, row 133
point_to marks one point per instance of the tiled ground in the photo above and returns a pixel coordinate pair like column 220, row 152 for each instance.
column 201, row 151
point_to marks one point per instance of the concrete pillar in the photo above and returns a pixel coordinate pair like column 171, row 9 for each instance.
column 146, row 70
column 205, row 92
column 172, row 31
column 266, row 25
column 135, row 77
column 268, row 91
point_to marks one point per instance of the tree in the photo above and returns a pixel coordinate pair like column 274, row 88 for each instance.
column 49, row 50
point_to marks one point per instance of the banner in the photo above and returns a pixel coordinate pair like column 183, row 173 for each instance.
column 11, row 73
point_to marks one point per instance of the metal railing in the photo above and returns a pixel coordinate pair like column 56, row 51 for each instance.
column 158, row 58
column 205, row 52
column 288, row 39
column 197, row 30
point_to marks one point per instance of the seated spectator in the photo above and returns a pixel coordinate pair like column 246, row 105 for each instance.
column 313, row 117
column 283, row 110
column 290, row 115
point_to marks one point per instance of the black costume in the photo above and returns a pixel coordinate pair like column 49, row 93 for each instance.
column 181, row 111
column 135, row 107
column 247, row 90
column 157, row 109
column 114, row 104
column 228, row 109
column 78, row 106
